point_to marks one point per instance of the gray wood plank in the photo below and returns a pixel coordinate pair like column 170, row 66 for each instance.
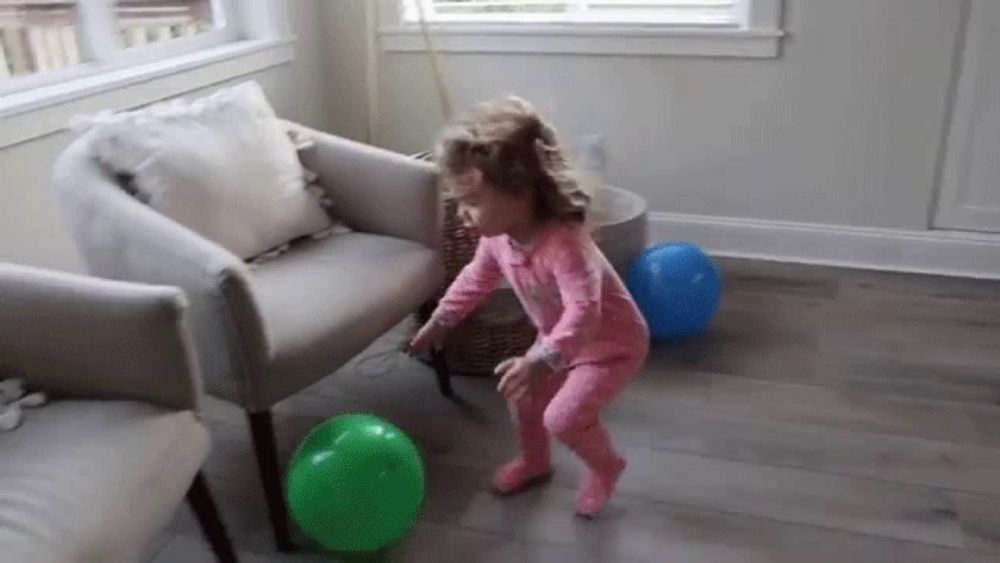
column 433, row 543
column 904, row 459
column 634, row 529
column 187, row 549
column 792, row 495
column 785, row 495
column 810, row 404
column 987, row 424
column 979, row 516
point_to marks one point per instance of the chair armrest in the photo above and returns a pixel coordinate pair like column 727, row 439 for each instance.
column 121, row 238
column 96, row 338
column 375, row 190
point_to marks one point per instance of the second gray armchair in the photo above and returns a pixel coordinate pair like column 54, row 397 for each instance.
column 263, row 334
column 97, row 474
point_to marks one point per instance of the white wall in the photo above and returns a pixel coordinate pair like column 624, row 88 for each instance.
column 31, row 228
column 345, row 66
column 844, row 128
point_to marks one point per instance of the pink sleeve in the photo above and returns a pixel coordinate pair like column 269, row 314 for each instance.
column 578, row 276
column 474, row 283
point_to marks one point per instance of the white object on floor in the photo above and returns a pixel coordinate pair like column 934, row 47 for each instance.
column 11, row 390
column 10, row 417
column 13, row 400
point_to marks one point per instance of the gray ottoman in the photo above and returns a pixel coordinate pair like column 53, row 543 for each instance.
column 620, row 219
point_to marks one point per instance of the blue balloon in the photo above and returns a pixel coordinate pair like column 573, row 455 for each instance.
column 677, row 287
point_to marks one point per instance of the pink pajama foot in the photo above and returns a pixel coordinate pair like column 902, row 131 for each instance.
column 596, row 488
column 517, row 475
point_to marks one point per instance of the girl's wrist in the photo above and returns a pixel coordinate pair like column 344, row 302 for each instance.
column 550, row 358
column 441, row 320
column 538, row 366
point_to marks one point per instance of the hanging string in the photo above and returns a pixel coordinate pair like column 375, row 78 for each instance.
column 372, row 18
column 444, row 98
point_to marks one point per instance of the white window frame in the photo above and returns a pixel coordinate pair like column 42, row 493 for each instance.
column 258, row 37
column 578, row 12
column 101, row 50
column 757, row 33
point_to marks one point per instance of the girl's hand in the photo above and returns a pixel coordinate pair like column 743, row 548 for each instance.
column 519, row 376
column 504, row 365
column 428, row 338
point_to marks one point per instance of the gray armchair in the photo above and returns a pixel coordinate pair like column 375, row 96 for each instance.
column 96, row 475
column 264, row 333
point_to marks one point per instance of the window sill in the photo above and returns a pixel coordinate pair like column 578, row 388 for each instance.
column 569, row 39
column 45, row 110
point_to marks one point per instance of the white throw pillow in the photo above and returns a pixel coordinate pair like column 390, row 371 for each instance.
column 223, row 166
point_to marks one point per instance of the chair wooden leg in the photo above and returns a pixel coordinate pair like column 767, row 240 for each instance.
column 440, row 366
column 437, row 359
column 200, row 500
column 262, row 431
column 425, row 311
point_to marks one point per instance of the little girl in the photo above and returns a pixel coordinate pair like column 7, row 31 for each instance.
column 513, row 185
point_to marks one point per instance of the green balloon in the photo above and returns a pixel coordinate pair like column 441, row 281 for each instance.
column 355, row 483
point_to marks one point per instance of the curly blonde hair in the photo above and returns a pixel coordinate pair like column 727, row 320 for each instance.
column 515, row 150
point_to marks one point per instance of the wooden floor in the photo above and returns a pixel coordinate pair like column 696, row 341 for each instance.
column 829, row 416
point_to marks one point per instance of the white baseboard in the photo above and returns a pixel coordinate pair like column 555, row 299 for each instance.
column 949, row 253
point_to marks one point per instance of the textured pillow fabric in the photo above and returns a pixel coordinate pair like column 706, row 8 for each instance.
column 223, row 166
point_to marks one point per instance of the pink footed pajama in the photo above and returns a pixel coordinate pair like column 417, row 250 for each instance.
column 590, row 333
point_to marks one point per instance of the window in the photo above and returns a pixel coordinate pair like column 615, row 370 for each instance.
column 61, row 58
column 675, row 12
column 46, row 41
column 150, row 21
column 36, row 37
column 714, row 28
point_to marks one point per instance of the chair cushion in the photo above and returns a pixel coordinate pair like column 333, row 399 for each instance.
column 221, row 165
column 94, row 481
column 325, row 301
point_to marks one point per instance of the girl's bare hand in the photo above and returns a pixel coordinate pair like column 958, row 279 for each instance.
column 504, row 365
column 428, row 338
column 519, row 376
